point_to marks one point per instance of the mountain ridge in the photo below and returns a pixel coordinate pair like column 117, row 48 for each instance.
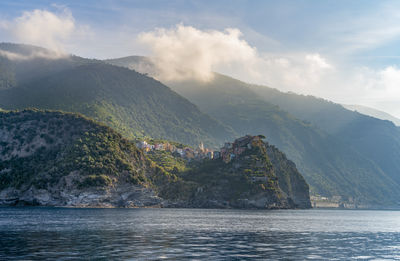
column 373, row 113
column 131, row 102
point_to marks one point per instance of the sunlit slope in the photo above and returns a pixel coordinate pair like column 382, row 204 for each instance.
column 130, row 102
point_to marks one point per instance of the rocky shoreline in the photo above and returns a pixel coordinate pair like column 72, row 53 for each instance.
column 124, row 197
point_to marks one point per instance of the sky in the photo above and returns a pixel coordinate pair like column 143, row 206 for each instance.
column 344, row 51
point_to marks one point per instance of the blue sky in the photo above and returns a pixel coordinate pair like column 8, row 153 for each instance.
column 295, row 25
column 345, row 51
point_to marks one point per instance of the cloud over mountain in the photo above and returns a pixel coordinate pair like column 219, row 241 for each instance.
column 186, row 52
column 54, row 30
column 42, row 27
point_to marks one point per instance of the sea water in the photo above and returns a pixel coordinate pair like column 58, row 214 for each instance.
column 34, row 233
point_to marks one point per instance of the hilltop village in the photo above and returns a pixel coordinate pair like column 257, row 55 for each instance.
column 228, row 152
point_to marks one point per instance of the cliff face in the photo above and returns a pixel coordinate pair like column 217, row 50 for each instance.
column 291, row 182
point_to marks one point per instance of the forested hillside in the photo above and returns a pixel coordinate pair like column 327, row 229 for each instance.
column 54, row 158
column 130, row 102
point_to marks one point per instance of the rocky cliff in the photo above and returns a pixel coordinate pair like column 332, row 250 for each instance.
column 249, row 173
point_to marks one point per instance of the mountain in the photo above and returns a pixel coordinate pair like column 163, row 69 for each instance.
column 375, row 139
column 62, row 159
column 21, row 63
column 373, row 113
column 130, row 102
column 330, row 166
column 316, row 134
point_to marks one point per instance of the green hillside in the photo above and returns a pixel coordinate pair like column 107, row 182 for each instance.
column 54, row 158
column 130, row 102
column 54, row 144
column 32, row 62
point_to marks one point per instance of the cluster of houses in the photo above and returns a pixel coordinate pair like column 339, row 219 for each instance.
column 228, row 152
column 231, row 150
column 186, row 152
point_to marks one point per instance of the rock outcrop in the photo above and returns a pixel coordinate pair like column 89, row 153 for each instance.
column 249, row 174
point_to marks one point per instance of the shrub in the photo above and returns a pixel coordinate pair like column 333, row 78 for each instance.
column 96, row 181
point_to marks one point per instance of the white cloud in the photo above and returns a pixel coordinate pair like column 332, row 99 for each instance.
column 46, row 54
column 298, row 72
column 378, row 88
column 44, row 28
column 56, row 30
column 4, row 24
column 186, row 52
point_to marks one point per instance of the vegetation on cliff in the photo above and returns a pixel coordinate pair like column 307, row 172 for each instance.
column 39, row 147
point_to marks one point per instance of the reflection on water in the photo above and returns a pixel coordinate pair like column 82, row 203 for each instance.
column 152, row 234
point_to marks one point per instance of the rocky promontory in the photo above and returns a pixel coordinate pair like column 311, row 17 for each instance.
column 248, row 173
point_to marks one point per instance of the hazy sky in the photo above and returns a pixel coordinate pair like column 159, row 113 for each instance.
column 345, row 51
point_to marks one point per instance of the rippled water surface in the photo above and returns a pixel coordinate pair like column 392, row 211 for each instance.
column 197, row 234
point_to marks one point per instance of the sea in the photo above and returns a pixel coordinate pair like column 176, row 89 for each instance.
column 38, row 233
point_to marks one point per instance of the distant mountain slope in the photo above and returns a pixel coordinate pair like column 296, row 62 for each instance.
column 329, row 165
column 312, row 137
column 377, row 140
column 128, row 101
column 373, row 113
column 327, row 115
column 21, row 63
